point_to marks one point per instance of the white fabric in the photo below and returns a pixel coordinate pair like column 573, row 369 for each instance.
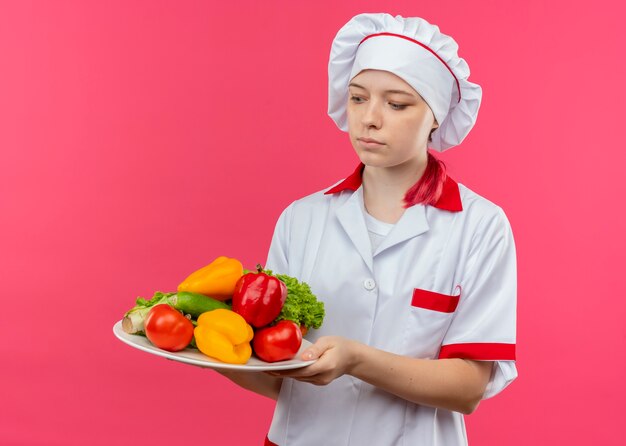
column 376, row 229
column 416, row 65
column 323, row 240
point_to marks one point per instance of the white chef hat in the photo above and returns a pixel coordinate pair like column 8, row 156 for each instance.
column 419, row 53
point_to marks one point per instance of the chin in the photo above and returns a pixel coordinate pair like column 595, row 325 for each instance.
column 373, row 159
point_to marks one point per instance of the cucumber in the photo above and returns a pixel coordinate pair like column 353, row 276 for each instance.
column 195, row 304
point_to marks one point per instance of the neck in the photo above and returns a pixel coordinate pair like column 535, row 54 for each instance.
column 384, row 188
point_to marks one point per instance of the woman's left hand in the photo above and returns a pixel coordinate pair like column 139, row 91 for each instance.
column 336, row 357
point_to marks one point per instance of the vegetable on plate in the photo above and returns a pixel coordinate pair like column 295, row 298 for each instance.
column 167, row 328
column 216, row 280
column 224, row 335
column 279, row 342
column 301, row 305
column 259, row 297
column 280, row 307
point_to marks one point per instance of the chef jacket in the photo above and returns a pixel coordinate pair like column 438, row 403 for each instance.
column 441, row 284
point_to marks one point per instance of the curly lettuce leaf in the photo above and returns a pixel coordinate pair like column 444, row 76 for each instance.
column 301, row 305
column 158, row 298
column 133, row 321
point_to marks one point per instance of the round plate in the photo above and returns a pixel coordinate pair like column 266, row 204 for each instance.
column 195, row 357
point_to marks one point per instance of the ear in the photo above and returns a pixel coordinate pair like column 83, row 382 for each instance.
column 430, row 135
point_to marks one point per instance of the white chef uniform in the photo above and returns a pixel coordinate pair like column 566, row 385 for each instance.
column 441, row 284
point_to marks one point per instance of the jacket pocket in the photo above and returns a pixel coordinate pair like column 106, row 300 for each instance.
column 430, row 300
column 428, row 317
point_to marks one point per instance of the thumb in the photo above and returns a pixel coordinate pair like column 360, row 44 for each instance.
column 316, row 350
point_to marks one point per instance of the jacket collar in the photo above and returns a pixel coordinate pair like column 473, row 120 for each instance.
column 450, row 199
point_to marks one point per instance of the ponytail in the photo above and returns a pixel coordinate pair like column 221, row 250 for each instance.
column 429, row 187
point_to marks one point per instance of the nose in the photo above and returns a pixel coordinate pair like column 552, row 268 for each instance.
column 372, row 116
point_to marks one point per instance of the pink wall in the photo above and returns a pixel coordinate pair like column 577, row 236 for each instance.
column 140, row 140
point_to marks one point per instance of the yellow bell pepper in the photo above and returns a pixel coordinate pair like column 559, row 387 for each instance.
column 225, row 335
column 216, row 280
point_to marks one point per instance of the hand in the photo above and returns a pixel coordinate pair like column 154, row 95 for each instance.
column 335, row 356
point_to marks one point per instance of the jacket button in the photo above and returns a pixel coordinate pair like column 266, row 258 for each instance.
column 369, row 284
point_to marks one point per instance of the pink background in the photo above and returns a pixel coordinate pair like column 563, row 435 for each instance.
column 140, row 140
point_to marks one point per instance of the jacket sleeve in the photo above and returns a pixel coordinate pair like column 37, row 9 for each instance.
column 278, row 255
column 484, row 325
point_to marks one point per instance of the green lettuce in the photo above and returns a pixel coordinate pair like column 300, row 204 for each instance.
column 301, row 305
column 134, row 318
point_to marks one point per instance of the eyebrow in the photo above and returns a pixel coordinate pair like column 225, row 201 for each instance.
column 352, row 84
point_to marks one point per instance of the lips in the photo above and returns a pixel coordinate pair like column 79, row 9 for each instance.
column 369, row 140
column 369, row 144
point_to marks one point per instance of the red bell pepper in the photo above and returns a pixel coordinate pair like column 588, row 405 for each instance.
column 259, row 297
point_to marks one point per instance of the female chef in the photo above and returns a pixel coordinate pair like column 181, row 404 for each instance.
column 417, row 272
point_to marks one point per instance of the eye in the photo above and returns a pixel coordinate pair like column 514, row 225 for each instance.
column 397, row 106
column 356, row 99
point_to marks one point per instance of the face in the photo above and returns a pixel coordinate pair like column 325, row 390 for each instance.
column 383, row 107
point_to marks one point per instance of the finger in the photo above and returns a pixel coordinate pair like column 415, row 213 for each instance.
column 306, row 380
column 298, row 373
column 317, row 380
column 316, row 350
column 283, row 373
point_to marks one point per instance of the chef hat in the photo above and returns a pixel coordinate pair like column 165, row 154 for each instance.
column 419, row 53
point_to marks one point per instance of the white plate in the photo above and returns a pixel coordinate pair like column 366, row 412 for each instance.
column 192, row 356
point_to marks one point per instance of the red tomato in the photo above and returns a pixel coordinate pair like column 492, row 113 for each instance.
column 167, row 328
column 277, row 343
